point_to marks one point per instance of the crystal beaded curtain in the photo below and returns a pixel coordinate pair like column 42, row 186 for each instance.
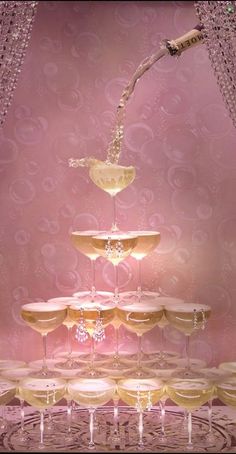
column 219, row 22
column 16, row 20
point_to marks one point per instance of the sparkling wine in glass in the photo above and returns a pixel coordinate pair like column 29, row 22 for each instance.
column 70, row 362
column 140, row 318
column 44, row 318
column 112, row 178
column 82, row 240
column 42, row 393
column 91, row 393
column 91, row 320
column 7, row 393
column 115, row 247
column 188, row 318
column 162, row 359
column 226, row 392
column 142, row 394
column 190, row 394
column 15, row 376
column 147, row 241
column 216, row 375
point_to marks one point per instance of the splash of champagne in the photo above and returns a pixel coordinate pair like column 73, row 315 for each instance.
column 168, row 47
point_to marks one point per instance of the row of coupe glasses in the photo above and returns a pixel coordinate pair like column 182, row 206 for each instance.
column 91, row 321
column 141, row 393
column 115, row 247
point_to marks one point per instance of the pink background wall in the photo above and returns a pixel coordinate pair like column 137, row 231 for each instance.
column 177, row 134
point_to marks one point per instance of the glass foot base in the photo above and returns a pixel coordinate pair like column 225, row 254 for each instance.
column 98, row 297
column 142, row 373
column 68, row 364
column 187, row 373
column 45, row 373
column 134, row 297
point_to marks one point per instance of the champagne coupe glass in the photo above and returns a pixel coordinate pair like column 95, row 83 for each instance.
column 15, row 375
column 226, row 392
column 229, row 367
column 161, row 359
column 70, row 362
column 82, row 240
column 42, row 393
column 142, row 394
column 91, row 320
column 191, row 394
column 140, row 318
column 91, row 393
column 117, row 367
column 44, row 317
column 112, row 178
column 147, row 242
column 7, row 392
column 188, row 318
column 116, row 374
column 215, row 375
column 6, row 364
column 115, row 247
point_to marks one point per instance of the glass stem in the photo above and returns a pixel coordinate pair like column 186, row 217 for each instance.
column 139, row 288
column 93, row 288
column 163, row 414
column 41, row 444
column 116, row 412
column 69, row 415
column 92, row 353
column 44, row 367
column 210, row 416
column 116, row 293
column 162, row 344
column 69, row 346
column 91, row 428
column 3, row 421
column 187, row 345
column 140, row 430
column 190, row 444
column 22, row 414
column 139, row 352
column 114, row 225
column 116, row 355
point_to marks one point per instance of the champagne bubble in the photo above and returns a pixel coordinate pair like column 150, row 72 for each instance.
column 215, row 296
column 137, row 135
column 226, row 234
column 85, row 221
column 29, row 131
column 113, row 90
column 196, row 203
column 68, row 281
column 68, row 145
column 174, row 101
column 222, row 151
column 181, row 177
column 173, row 282
column 181, row 144
column 124, row 274
column 22, row 191
column 70, row 99
column 213, row 120
column 128, row 16
column 22, row 237
column 60, row 76
column 199, row 237
column 48, row 184
column 9, row 151
column 59, row 257
column 87, row 47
